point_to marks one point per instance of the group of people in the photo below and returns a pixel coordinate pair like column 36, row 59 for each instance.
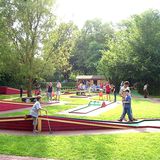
column 124, row 92
column 35, row 110
column 108, row 88
column 101, row 88
column 50, row 91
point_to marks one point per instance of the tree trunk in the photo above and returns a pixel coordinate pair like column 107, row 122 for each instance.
column 29, row 88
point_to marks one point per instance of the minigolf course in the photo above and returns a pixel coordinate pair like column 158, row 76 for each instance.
column 10, row 105
column 9, row 90
column 47, row 123
column 92, row 106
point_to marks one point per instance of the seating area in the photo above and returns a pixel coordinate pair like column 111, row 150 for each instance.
column 81, row 92
column 29, row 99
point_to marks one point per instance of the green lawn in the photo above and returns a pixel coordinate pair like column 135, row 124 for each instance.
column 132, row 146
column 141, row 109
column 139, row 146
column 9, row 96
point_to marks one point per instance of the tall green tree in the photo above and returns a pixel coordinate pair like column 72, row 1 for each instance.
column 93, row 38
column 26, row 24
column 134, row 53
column 59, row 48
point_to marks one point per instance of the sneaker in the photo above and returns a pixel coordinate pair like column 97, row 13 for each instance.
column 35, row 131
column 120, row 120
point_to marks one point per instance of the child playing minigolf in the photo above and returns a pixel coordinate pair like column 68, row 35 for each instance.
column 35, row 111
column 127, row 106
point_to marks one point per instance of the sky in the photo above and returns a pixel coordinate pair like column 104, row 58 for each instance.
column 114, row 11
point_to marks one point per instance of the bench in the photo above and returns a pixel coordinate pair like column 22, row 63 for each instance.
column 29, row 99
column 83, row 93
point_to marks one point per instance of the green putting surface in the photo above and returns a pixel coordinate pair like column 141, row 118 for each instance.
column 95, row 103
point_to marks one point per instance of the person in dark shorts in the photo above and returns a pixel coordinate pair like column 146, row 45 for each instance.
column 21, row 92
column 49, row 91
column 114, row 90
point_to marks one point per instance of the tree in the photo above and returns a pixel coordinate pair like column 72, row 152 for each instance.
column 59, row 47
column 26, row 24
column 134, row 49
column 93, row 38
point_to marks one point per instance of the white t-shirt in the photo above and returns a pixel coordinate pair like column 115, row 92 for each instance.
column 35, row 109
column 59, row 85
column 123, row 89
column 145, row 87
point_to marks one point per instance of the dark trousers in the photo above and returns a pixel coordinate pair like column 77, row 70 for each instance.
column 115, row 97
column 145, row 93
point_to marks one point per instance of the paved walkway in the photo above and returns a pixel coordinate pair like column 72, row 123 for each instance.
column 156, row 100
column 82, row 132
column 9, row 157
column 151, row 99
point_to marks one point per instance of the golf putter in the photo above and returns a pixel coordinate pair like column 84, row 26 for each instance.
column 49, row 126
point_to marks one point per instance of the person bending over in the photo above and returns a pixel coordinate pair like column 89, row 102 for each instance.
column 35, row 111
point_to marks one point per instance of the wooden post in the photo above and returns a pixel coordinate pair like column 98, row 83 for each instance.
column 39, row 125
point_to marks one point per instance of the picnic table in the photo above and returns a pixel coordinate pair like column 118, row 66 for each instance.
column 29, row 99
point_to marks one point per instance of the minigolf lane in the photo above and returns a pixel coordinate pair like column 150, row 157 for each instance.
column 92, row 106
column 8, row 105
column 144, row 123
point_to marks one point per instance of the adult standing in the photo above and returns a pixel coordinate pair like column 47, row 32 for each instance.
column 49, row 91
column 21, row 91
column 58, row 90
column 124, row 87
column 145, row 90
column 114, row 90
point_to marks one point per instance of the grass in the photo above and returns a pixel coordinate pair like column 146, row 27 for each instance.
column 144, row 146
column 9, row 96
column 131, row 146
column 141, row 109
